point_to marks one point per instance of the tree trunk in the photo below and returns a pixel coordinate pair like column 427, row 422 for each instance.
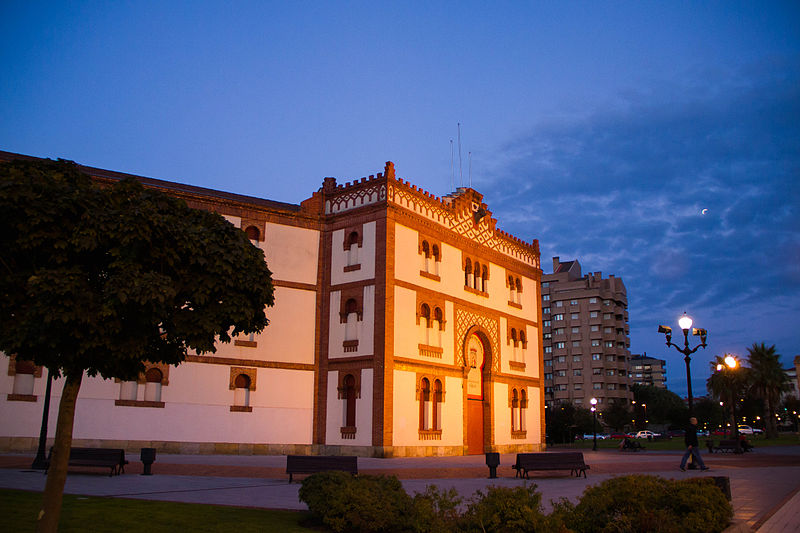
column 772, row 424
column 57, row 474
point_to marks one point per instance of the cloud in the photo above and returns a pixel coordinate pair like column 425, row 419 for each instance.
column 622, row 190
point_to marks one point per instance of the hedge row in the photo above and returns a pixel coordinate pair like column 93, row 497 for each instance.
column 638, row 503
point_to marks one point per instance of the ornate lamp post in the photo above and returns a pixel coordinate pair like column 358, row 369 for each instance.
column 593, row 401
column 685, row 323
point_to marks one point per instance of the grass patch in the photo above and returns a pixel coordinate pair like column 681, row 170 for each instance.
column 89, row 513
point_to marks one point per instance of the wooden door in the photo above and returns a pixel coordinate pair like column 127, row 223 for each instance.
column 474, row 427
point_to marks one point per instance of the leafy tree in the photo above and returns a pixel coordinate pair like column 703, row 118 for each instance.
column 663, row 406
column 727, row 385
column 768, row 380
column 565, row 420
column 617, row 416
column 98, row 279
column 708, row 412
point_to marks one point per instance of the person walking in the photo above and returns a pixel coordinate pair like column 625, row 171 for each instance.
column 692, row 448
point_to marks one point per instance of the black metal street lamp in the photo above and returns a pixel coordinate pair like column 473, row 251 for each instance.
column 685, row 323
column 593, row 401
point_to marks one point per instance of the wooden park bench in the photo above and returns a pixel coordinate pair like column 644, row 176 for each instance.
column 113, row 458
column 310, row 464
column 729, row 445
column 572, row 461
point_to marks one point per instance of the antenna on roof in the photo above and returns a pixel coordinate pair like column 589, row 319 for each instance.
column 470, row 168
column 452, row 167
column 460, row 172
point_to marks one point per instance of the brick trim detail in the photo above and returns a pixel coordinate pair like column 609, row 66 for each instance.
column 241, row 409
column 139, row 403
column 12, row 367
column 21, row 398
column 356, row 373
column 238, row 370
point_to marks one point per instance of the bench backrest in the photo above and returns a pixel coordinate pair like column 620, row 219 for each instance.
column 105, row 454
column 728, row 442
column 318, row 463
column 549, row 459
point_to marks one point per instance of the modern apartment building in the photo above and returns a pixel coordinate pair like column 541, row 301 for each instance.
column 645, row 370
column 585, row 337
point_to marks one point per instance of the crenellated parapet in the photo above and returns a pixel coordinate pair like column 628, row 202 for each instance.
column 462, row 211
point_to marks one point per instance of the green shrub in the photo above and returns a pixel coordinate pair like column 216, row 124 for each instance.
column 638, row 503
column 435, row 511
column 345, row 503
column 507, row 510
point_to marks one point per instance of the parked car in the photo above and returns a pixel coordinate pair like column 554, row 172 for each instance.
column 673, row 433
column 647, row 434
column 619, row 435
column 590, row 436
column 747, row 430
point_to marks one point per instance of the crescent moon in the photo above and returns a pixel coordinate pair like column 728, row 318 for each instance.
column 704, row 211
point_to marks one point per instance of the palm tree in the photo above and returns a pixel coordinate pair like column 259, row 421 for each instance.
column 727, row 384
column 768, row 380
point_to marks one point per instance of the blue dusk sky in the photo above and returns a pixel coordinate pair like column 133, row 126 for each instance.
column 656, row 141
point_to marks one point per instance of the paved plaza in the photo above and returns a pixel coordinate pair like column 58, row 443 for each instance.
column 765, row 484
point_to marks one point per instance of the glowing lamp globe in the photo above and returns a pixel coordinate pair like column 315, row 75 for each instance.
column 731, row 361
column 685, row 322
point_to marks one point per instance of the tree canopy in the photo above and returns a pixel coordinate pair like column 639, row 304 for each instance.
column 768, row 380
column 98, row 279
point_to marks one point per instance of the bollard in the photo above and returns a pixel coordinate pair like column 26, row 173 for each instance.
column 148, row 457
column 724, row 484
column 492, row 461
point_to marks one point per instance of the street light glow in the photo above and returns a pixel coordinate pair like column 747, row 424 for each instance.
column 685, row 322
column 731, row 361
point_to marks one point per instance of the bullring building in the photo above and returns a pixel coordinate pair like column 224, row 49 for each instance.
column 404, row 324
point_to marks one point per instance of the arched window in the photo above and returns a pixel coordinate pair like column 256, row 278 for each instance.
column 352, row 248
column 512, row 289
column 514, row 410
column 476, row 278
column 152, row 388
column 523, row 409
column 349, row 383
column 350, row 329
column 253, row 234
column 436, row 259
column 437, row 327
column 484, row 278
column 241, row 394
column 424, row 404
column 468, row 273
column 437, row 405
column 424, row 324
column 129, row 390
column 519, row 291
column 24, row 377
column 426, row 256
column 522, row 345
column 513, row 344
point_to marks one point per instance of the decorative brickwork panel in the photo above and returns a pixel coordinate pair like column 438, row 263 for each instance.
column 468, row 320
column 239, row 370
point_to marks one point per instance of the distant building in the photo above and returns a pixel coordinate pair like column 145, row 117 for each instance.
column 646, row 370
column 793, row 381
column 585, row 337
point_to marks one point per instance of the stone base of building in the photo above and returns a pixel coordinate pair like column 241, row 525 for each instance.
column 30, row 445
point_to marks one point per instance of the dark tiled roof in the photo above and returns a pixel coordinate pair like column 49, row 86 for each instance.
column 564, row 267
column 169, row 185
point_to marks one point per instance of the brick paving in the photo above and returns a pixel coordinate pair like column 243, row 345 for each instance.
column 765, row 484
